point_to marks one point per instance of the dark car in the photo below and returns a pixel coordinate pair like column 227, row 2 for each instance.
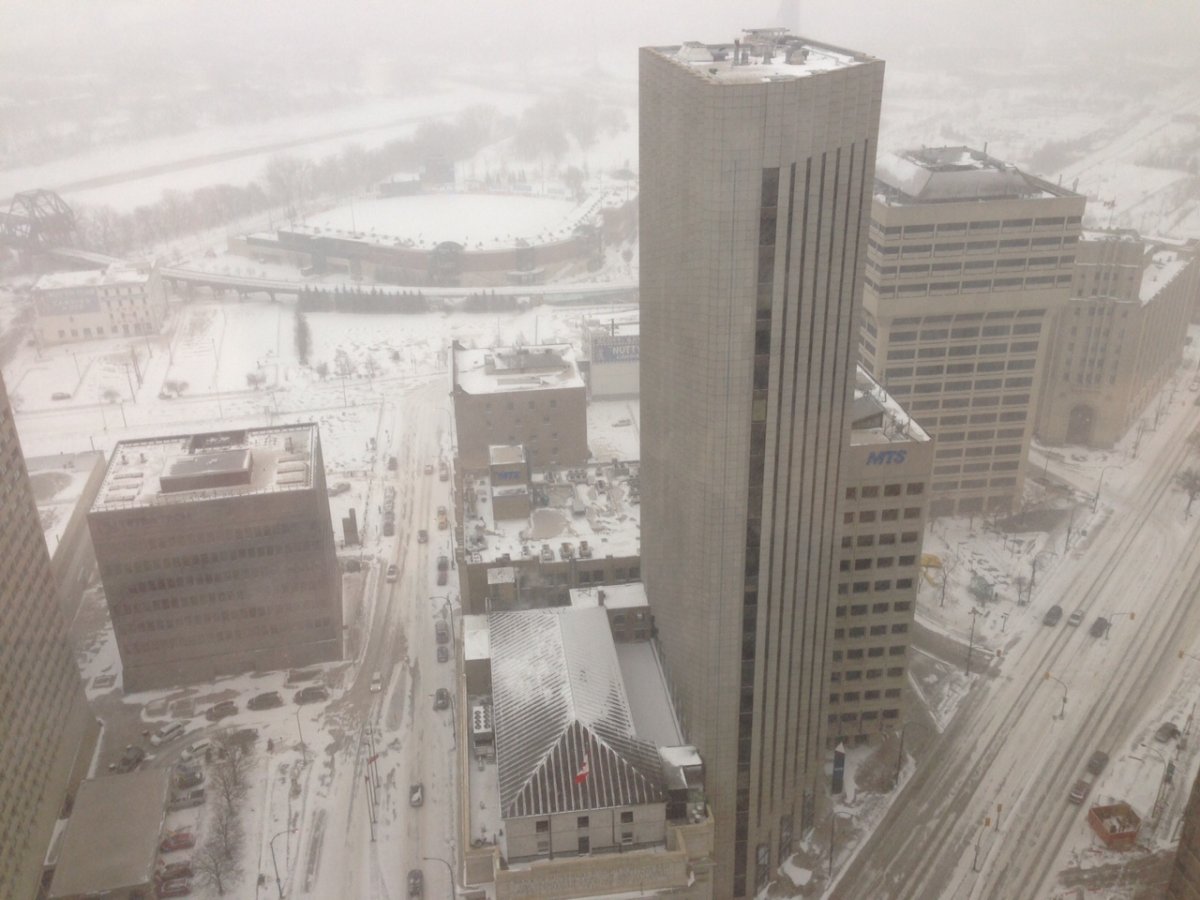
column 442, row 576
column 174, row 870
column 1097, row 763
column 1167, row 731
column 1052, row 616
column 177, row 887
column 416, row 883
column 188, row 777
column 441, row 698
column 177, row 840
column 269, row 700
column 1080, row 791
column 1099, row 627
column 186, row 800
column 443, row 563
column 130, row 759
column 423, row 536
column 441, row 631
column 443, row 653
column 393, row 464
column 312, row 694
column 221, row 710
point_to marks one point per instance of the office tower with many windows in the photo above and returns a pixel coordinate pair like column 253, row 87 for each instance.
column 46, row 728
column 967, row 261
column 757, row 164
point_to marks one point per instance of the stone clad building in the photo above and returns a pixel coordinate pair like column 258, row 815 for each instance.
column 1185, row 879
column 1119, row 339
column 217, row 556
column 884, row 502
column 120, row 301
column 533, row 396
column 968, row 260
column 757, row 164
column 42, row 704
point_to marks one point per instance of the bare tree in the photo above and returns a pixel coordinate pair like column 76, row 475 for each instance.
column 175, row 387
column 1188, row 481
column 371, row 367
column 322, row 370
column 110, row 395
column 303, row 338
column 229, row 775
column 342, row 364
column 213, row 867
column 256, row 379
column 225, row 833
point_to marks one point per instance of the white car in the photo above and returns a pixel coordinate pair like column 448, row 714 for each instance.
column 376, row 683
column 167, row 733
column 392, row 573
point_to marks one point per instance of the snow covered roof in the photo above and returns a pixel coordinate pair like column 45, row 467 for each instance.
column 613, row 596
column 948, row 174
column 876, row 417
column 112, row 838
column 190, row 468
column 113, row 275
column 597, row 506
column 501, row 369
column 476, row 639
column 559, row 701
column 1163, row 268
column 763, row 54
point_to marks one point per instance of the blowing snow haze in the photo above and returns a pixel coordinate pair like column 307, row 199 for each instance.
column 701, row 450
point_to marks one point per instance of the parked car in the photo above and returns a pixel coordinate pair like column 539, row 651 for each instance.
column 443, row 653
column 1075, row 618
column 182, row 839
column 314, row 693
column 392, row 573
column 130, row 759
column 428, row 468
column 389, row 528
column 393, row 464
column 443, row 518
column 1080, row 791
column 1053, row 614
column 177, row 887
column 441, row 631
column 60, row 395
column 1096, row 764
column 269, row 700
column 443, row 563
column 416, row 794
column 188, row 777
column 1167, row 731
column 416, row 883
column 186, row 800
column 1099, row 627
column 171, row 871
column 340, row 488
column 443, row 576
column 221, row 710
column 441, row 698
column 167, row 733
column 422, row 536
column 376, row 683
column 443, row 473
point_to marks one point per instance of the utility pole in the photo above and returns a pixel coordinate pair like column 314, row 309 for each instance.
column 971, row 644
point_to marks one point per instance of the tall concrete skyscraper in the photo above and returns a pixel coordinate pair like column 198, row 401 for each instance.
column 757, row 160
column 46, row 730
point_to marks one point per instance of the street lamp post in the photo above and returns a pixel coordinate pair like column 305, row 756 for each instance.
column 1062, row 712
column 275, row 864
column 449, row 872
column 1100, row 484
column 971, row 643
column 300, row 731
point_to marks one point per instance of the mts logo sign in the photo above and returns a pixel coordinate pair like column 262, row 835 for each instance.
column 886, row 457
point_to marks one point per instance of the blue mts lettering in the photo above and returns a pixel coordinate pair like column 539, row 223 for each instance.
column 886, row 457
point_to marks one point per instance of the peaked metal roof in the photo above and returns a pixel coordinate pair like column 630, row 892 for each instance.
column 558, row 697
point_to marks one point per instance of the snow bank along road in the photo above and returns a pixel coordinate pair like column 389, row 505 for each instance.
column 1006, row 756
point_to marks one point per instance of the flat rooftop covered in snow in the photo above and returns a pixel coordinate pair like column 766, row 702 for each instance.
column 601, row 507
column 954, row 174
column 502, row 369
column 877, row 418
column 617, row 596
column 188, row 468
column 761, row 54
column 59, row 483
column 113, row 275
column 112, row 838
column 1162, row 268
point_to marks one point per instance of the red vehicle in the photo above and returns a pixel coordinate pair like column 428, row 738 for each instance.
column 177, row 840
